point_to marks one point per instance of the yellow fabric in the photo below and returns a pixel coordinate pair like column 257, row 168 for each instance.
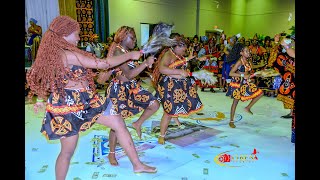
column 68, row 7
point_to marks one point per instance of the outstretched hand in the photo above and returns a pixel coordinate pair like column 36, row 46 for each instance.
column 191, row 56
column 150, row 61
column 203, row 58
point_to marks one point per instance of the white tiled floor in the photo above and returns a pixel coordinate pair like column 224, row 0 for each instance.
column 264, row 131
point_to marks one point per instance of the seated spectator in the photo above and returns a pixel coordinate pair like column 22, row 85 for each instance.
column 95, row 47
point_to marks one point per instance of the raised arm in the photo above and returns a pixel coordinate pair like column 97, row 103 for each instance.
column 234, row 69
column 131, row 73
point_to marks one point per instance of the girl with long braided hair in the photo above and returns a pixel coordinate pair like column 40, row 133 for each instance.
column 63, row 72
column 127, row 96
column 240, row 87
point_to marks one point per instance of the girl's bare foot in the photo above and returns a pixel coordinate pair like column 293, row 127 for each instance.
column 231, row 124
column 161, row 139
column 144, row 169
column 248, row 111
column 112, row 159
column 137, row 127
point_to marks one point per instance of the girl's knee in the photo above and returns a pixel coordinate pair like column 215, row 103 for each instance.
column 155, row 105
column 118, row 121
column 66, row 154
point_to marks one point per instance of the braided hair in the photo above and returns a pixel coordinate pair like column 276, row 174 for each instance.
column 235, row 52
column 119, row 36
column 47, row 72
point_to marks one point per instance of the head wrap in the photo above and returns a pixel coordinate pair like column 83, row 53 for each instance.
column 33, row 20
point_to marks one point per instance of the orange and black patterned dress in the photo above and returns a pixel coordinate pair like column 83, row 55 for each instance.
column 242, row 89
column 127, row 98
column 285, row 65
column 178, row 97
column 77, row 111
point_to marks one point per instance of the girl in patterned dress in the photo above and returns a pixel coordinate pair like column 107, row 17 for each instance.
column 176, row 92
column 240, row 87
column 127, row 96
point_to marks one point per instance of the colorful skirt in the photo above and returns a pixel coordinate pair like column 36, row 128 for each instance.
column 286, row 92
column 242, row 90
column 128, row 98
column 178, row 97
column 74, row 113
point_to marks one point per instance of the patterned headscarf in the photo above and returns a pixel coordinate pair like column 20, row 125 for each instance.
column 33, row 20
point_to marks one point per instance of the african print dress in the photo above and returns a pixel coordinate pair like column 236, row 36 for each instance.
column 241, row 89
column 178, row 97
column 77, row 111
column 285, row 65
column 128, row 98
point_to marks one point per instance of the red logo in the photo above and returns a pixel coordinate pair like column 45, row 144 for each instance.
column 225, row 159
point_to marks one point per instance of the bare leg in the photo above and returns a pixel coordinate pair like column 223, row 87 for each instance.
column 220, row 82
column 116, row 123
column 112, row 146
column 253, row 101
column 68, row 145
column 176, row 120
column 149, row 111
column 165, row 120
column 233, row 110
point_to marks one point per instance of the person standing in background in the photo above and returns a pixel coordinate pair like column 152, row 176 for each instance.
column 35, row 34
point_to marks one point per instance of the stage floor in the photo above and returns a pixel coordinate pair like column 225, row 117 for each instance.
column 259, row 147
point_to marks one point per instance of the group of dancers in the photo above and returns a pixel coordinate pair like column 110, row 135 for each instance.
column 62, row 79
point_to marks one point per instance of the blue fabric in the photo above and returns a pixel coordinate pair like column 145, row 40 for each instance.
column 202, row 52
column 30, row 42
column 226, row 68
column 33, row 20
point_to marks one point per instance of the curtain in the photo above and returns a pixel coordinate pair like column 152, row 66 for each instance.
column 44, row 11
column 85, row 16
column 101, row 19
column 68, row 8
